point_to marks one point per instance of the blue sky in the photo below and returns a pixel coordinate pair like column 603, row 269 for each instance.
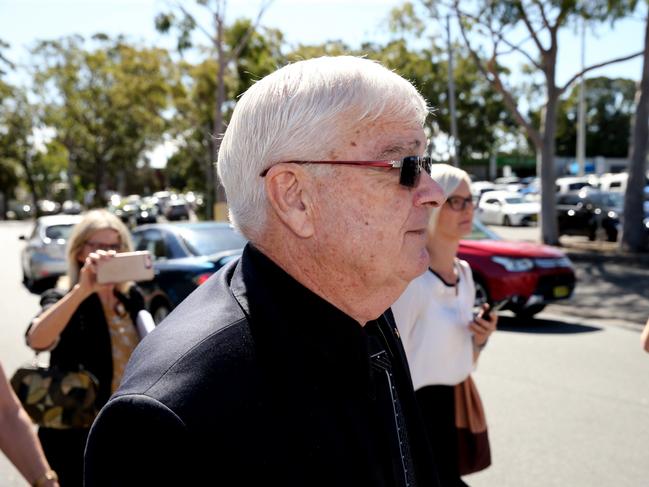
column 305, row 21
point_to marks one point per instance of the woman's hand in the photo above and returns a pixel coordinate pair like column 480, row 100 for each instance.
column 483, row 328
column 88, row 274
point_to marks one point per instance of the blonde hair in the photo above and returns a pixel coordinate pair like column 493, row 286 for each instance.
column 449, row 178
column 94, row 221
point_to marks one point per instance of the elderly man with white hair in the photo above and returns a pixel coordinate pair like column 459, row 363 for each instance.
column 286, row 368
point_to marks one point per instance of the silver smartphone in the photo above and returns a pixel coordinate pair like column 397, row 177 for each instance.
column 126, row 266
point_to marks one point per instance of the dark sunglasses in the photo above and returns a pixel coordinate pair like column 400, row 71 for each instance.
column 457, row 203
column 410, row 167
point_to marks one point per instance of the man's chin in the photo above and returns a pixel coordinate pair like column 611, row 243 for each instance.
column 422, row 263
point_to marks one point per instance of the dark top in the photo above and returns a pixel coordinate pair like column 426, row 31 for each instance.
column 85, row 341
column 254, row 380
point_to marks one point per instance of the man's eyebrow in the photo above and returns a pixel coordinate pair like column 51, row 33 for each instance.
column 399, row 149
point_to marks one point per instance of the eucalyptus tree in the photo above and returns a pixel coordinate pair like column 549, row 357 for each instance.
column 225, row 48
column 634, row 234
column 491, row 30
column 106, row 103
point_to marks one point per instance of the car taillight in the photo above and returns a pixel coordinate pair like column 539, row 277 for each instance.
column 201, row 278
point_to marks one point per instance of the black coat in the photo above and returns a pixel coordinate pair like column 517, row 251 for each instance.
column 253, row 380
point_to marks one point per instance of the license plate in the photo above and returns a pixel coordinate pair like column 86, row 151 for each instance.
column 561, row 291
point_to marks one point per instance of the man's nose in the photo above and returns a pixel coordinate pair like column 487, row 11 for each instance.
column 429, row 193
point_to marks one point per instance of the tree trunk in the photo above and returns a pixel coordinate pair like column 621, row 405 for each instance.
column 634, row 234
column 549, row 228
column 27, row 167
column 98, row 200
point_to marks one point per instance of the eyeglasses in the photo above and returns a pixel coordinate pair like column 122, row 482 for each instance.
column 457, row 203
column 409, row 174
column 103, row 246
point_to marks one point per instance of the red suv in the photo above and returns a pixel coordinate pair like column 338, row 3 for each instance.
column 528, row 275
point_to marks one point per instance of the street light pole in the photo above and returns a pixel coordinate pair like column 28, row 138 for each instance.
column 581, row 127
column 454, row 149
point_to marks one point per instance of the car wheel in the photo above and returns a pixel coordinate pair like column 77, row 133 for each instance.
column 506, row 221
column 529, row 311
column 42, row 285
column 481, row 293
column 160, row 312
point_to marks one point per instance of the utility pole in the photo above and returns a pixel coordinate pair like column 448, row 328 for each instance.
column 581, row 124
column 454, row 150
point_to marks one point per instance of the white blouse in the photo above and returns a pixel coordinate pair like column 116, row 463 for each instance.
column 433, row 320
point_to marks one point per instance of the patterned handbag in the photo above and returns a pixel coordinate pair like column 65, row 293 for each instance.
column 54, row 398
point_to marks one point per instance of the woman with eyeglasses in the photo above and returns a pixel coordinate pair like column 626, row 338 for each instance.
column 440, row 333
column 92, row 326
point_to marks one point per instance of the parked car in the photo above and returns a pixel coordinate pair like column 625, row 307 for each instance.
column 43, row 258
column 575, row 183
column 527, row 275
column 185, row 256
column 590, row 212
column 177, row 210
column 507, row 208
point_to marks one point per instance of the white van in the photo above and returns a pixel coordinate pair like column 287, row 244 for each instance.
column 574, row 183
column 615, row 182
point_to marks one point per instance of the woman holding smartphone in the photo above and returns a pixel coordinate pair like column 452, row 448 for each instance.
column 441, row 335
column 92, row 326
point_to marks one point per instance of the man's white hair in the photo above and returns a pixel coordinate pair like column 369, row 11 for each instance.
column 301, row 112
column 449, row 178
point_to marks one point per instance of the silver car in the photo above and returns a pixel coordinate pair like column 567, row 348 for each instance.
column 43, row 258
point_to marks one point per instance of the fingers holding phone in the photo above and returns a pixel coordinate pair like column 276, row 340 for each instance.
column 484, row 324
column 88, row 273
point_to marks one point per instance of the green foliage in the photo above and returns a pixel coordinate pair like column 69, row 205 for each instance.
column 610, row 106
column 106, row 103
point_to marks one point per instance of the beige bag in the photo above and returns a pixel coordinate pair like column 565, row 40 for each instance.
column 474, row 453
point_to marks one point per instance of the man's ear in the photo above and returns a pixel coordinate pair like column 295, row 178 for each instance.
column 289, row 192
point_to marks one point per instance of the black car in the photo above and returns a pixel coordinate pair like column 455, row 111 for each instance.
column 185, row 256
column 590, row 212
column 177, row 210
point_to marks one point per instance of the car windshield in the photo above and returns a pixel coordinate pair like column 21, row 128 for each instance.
column 56, row 232
column 207, row 240
column 480, row 232
column 514, row 200
column 609, row 200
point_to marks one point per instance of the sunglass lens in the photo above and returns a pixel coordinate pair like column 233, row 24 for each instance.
column 410, row 171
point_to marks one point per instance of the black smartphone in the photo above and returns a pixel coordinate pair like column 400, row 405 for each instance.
column 494, row 307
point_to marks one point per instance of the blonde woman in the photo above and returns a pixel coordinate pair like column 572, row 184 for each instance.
column 440, row 333
column 91, row 326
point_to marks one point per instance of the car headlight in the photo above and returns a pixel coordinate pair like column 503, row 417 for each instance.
column 514, row 265
column 612, row 214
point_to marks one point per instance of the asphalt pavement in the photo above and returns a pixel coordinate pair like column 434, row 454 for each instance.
column 566, row 395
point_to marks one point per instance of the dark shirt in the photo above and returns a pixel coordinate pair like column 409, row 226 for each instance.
column 255, row 380
column 85, row 342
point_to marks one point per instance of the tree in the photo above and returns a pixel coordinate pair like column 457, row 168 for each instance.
column 225, row 56
column 634, row 235
column 610, row 105
column 107, row 104
column 496, row 23
column 16, row 142
column 193, row 121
